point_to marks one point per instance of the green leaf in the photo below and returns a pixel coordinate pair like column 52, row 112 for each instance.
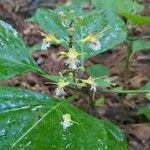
column 80, row 7
column 140, row 45
column 102, row 83
column 146, row 86
column 108, row 27
column 14, row 57
column 35, row 47
column 98, row 70
column 145, row 111
column 148, row 96
column 100, row 102
column 29, row 120
column 118, row 6
column 139, row 20
column 50, row 22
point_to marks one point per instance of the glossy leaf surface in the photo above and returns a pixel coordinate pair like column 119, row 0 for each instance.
column 50, row 22
column 109, row 29
column 14, row 57
column 95, row 22
column 118, row 6
column 29, row 120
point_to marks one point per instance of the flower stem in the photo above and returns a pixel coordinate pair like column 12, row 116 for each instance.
column 82, row 53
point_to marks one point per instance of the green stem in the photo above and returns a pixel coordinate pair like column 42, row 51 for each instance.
column 47, row 76
column 82, row 53
column 125, row 91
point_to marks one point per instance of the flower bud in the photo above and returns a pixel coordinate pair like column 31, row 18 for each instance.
column 71, row 30
column 63, row 18
column 71, row 12
column 80, row 20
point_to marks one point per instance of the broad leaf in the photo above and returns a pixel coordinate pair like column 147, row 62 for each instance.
column 50, row 22
column 140, row 45
column 118, row 6
column 138, row 20
column 108, row 27
column 80, row 7
column 14, row 57
column 34, row 121
column 98, row 70
column 102, row 83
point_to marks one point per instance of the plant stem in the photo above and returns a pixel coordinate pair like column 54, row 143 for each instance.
column 93, row 98
column 70, row 36
column 125, row 91
column 82, row 52
column 146, row 37
column 127, row 64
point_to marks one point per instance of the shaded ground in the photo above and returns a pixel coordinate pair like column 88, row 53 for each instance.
column 120, row 109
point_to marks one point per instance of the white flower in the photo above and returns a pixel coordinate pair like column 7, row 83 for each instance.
column 72, row 62
column 49, row 38
column 93, row 88
column 93, row 42
column 91, row 82
column 59, row 91
column 95, row 45
column 45, row 45
column 67, row 122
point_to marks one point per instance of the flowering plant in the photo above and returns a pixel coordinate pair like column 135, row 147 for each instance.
column 31, row 120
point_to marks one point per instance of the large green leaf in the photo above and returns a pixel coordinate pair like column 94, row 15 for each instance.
column 50, row 22
column 108, row 27
column 80, row 7
column 14, row 57
column 29, row 120
column 118, row 6
column 94, row 22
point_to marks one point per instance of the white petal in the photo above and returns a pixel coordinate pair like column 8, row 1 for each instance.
column 59, row 92
column 45, row 45
column 96, row 45
column 72, row 64
column 66, row 124
column 93, row 88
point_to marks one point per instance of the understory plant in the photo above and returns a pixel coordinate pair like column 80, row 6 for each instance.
column 32, row 120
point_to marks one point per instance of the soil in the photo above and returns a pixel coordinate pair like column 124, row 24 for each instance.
column 120, row 109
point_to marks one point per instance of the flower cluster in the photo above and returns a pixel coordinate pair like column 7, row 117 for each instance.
column 93, row 42
column 72, row 60
column 60, row 87
column 91, row 82
column 48, row 39
column 67, row 122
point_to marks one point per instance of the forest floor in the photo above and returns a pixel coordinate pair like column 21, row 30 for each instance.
column 120, row 109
